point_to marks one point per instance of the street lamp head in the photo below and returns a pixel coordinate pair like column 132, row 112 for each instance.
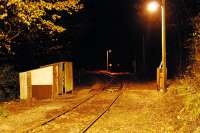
column 153, row 6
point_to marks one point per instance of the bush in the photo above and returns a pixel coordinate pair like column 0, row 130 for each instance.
column 8, row 82
column 192, row 105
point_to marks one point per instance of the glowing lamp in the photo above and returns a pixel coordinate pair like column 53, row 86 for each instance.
column 153, row 6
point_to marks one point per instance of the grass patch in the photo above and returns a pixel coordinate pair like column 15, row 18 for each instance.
column 192, row 105
column 3, row 112
column 189, row 115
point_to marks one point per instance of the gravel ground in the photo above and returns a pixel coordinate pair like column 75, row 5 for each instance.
column 132, row 113
column 140, row 109
column 76, row 120
column 35, row 113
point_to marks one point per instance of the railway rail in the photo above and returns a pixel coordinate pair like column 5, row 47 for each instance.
column 111, row 84
column 104, row 111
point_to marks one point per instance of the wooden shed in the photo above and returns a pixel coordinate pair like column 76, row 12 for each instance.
column 47, row 81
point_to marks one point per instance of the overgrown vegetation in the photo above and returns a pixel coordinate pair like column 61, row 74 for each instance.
column 192, row 100
column 188, row 87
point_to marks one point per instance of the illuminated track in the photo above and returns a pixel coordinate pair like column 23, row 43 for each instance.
column 105, row 110
column 59, row 114
column 109, row 84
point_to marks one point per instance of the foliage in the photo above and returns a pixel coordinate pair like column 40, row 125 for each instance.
column 189, row 87
column 192, row 101
column 8, row 82
column 22, row 16
column 196, row 37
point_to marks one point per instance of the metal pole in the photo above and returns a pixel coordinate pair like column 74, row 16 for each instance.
column 144, row 56
column 107, row 59
column 164, row 66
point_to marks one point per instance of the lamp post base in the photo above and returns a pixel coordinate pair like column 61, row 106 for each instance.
column 162, row 79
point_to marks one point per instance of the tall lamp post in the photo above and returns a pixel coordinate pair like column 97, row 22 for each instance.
column 162, row 70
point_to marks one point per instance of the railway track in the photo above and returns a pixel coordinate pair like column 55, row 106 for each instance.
column 101, row 108
column 88, row 126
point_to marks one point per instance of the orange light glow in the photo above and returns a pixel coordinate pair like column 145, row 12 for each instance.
column 153, row 6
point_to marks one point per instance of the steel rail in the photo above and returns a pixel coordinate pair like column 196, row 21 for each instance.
column 105, row 110
column 68, row 110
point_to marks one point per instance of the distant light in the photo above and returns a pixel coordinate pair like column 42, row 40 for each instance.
column 153, row 6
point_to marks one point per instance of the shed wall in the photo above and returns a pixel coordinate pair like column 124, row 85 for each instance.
column 25, row 85
column 42, row 76
column 68, row 77
column 47, row 81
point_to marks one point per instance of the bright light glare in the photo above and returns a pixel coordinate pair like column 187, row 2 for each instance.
column 153, row 6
